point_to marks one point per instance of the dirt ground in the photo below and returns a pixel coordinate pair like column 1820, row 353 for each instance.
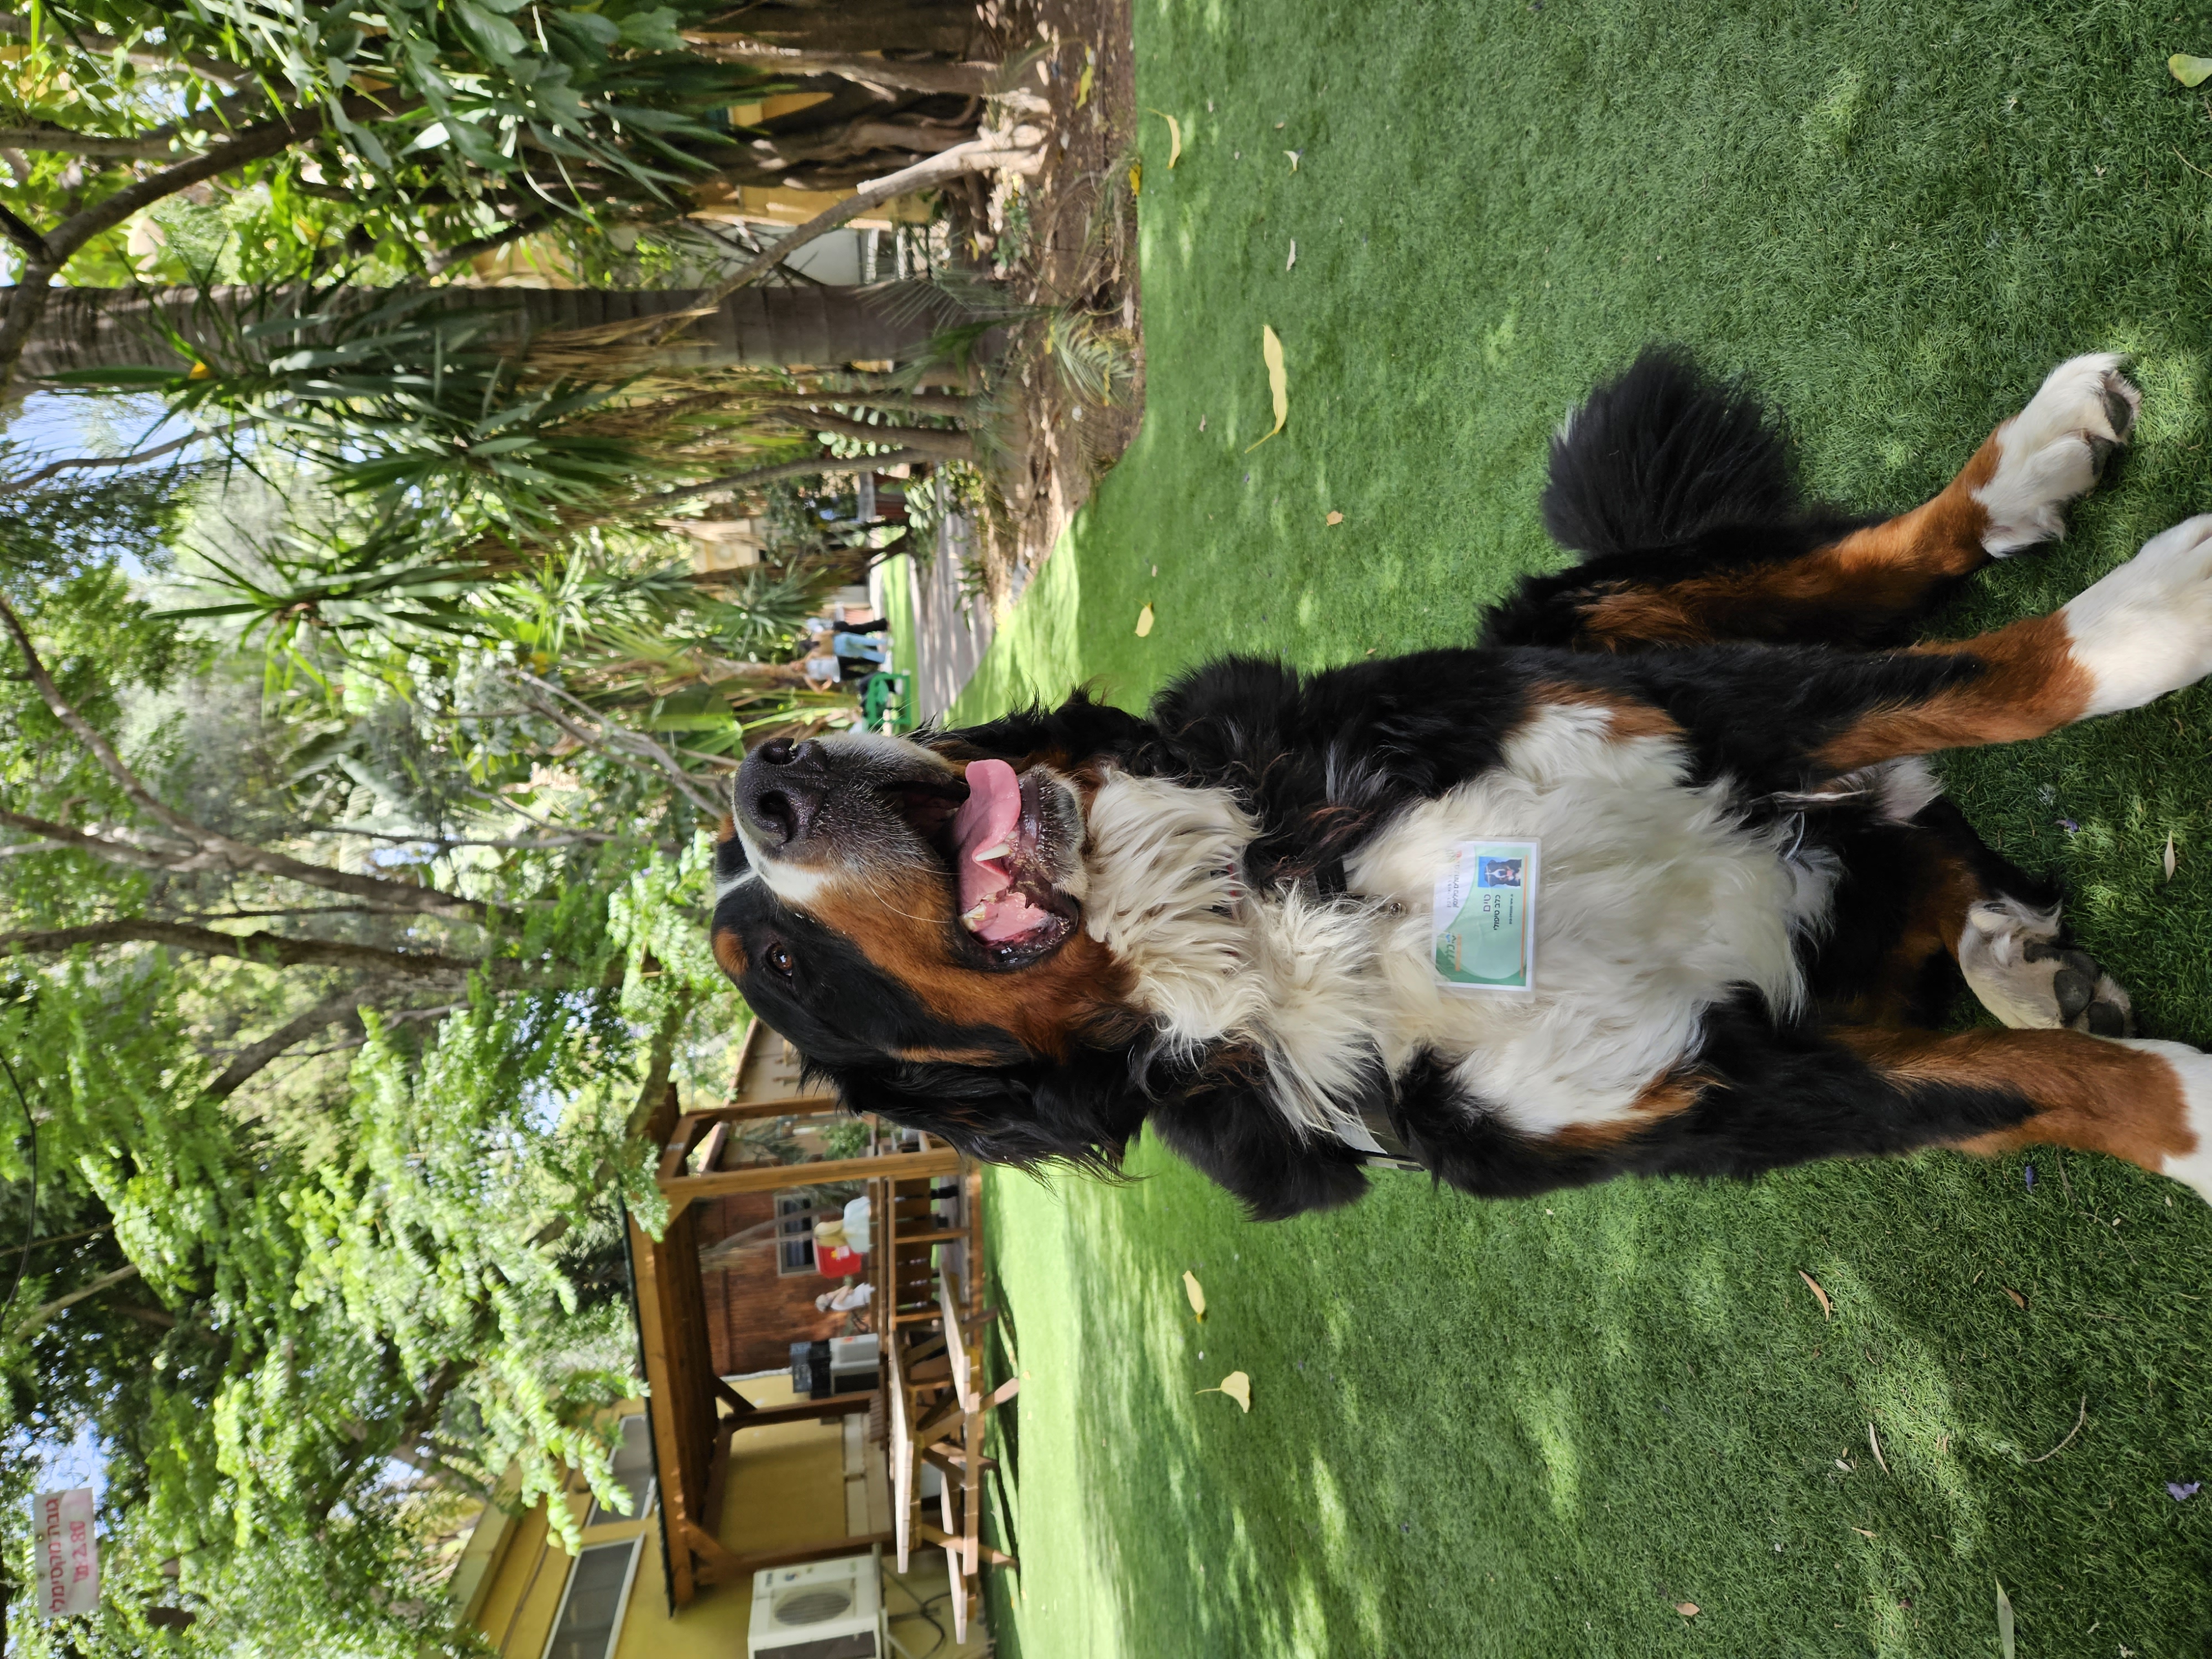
column 1068, row 241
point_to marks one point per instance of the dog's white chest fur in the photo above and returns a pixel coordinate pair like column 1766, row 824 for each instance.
column 1653, row 903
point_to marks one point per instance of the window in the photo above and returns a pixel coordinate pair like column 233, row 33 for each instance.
column 592, row 1606
column 633, row 1473
column 794, row 1233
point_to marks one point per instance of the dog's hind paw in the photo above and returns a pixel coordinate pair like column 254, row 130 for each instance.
column 2012, row 960
column 2054, row 450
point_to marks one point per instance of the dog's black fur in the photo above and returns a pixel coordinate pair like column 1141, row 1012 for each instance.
column 1665, row 473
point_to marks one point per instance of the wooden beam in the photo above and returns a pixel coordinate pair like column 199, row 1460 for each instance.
column 748, row 1111
column 805, row 1411
column 660, row 1411
column 680, row 1190
column 718, row 1477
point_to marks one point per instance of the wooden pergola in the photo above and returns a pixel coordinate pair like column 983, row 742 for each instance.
column 694, row 1415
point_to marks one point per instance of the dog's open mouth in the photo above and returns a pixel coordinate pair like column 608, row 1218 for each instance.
column 999, row 843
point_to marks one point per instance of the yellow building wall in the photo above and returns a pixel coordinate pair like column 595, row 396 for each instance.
column 786, row 1488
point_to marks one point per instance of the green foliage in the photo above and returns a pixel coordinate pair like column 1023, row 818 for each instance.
column 472, row 96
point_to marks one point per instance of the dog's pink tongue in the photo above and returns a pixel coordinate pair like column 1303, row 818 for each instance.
column 986, row 821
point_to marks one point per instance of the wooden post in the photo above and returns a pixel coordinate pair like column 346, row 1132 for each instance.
column 680, row 1190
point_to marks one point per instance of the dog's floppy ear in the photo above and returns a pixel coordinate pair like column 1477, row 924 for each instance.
column 1235, row 1136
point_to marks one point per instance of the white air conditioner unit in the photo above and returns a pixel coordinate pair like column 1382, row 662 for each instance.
column 824, row 1610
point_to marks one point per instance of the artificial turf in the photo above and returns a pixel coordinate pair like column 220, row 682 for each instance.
column 1536, row 1428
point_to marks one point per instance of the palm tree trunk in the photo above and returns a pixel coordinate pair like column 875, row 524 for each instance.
column 104, row 328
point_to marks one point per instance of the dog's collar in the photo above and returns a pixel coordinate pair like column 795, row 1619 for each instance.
column 1371, row 1134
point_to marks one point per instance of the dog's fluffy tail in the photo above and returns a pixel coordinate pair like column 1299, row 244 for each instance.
column 1661, row 454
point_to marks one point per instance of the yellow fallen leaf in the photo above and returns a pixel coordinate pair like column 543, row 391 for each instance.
column 1862, row 1532
column 1136, row 177
column 1195, row 1292
column 2169, row 855
column 1813, row 1284
column 1688, row 1609
column 1882, row 1461
column 1294, row 155
column 1144, row 621
column 2018, row 1300
column 1174, row 136
column 1083, row 86
column 1237, row 1387
column 2190, row 71
column 1336, row 518
column 2004, row 1622
column 1278, row 383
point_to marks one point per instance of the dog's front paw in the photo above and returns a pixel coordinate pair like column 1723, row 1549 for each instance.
column 2055, row 450
column 2146, row 628
column 2012, row 958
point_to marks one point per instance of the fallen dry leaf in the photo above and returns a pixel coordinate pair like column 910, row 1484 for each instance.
column 1862, row 1532
column 1278, row 383
column 1237, row 1387
column 1882, row 1461
column 1136, row 177
column 1195, row 1292
column 1336, row 518
column 2018, row 1300
column 2004, row 1623
column 1083, row 85
column 1688, row 1609
column 2169, row 855
column 1175, row 137
column 1293, row 259
column 1294, row 155
column 2190, row 71
column 1145, row 621
column 1813, row 1284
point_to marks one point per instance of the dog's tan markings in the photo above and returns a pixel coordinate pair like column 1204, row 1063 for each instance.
column 903, row 922
column 2088, row 1092
column 730, row 951
column 1886, row 568
column 2031, row 684
column 1631, row 717
column 1669, row 1097
column 728, row 828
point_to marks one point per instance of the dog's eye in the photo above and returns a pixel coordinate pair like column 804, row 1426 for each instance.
column 780, row 959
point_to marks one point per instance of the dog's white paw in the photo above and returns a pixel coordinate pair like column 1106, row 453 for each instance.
column 2186, row 1153
column 2146, row 628
column 2012, row 959
column 2055, row 450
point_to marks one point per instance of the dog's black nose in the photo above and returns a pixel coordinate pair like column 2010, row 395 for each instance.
column 780, row 788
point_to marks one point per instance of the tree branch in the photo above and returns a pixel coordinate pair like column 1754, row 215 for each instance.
column 825, row 462
column 977, row 155
column 205, row 849
column 270, row 949
column 960, row 80
column 16, row 486
column 27, row 302
column 618, row 740
column 62, row 141
column 930, row 441
column 39, row 1316
column 461, row 252
column 343, row 1009
column 146, row 58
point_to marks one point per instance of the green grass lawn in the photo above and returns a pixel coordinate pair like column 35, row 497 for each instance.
column 1533, row 1428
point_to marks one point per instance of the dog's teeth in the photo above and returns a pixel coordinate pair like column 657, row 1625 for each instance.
column 997, row 851
column 974, row 919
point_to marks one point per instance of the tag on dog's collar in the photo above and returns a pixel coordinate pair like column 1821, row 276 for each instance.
column 1484, row 918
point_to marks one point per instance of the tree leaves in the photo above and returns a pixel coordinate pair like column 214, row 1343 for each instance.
column 2190, row 71
column 1174, row 136
column 1827, row 1307
column 2004, row 1623
column 1195, row 1292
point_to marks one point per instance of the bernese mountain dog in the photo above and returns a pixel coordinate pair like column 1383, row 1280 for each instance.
column 1652, row 879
